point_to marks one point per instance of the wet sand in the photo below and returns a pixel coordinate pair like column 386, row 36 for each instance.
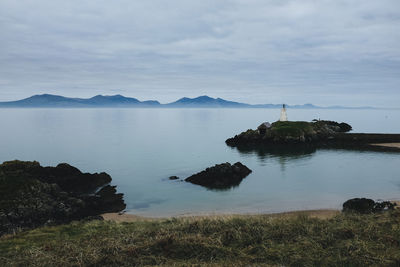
column 390, row 145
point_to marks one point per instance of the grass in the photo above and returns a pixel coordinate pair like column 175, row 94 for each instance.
column 344, row 240
column 292, row 128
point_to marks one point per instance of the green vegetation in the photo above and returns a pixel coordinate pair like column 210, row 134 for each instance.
column 344, row 240
column 292, row 128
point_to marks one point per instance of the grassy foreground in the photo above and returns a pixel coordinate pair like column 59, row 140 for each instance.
column 344, row 240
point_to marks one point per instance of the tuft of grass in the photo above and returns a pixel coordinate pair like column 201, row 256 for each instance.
column 344, row 240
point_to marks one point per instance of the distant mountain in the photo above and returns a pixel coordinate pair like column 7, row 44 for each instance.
column 55, row 101
column 47, row 100
column 206, row 101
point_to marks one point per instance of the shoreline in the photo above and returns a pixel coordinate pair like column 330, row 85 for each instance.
column 387, row 145
column 312, row 213
column 317, row 213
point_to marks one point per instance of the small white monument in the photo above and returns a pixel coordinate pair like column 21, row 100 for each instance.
column 283, row 113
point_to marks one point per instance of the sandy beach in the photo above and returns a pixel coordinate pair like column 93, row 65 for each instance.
column 321, row 214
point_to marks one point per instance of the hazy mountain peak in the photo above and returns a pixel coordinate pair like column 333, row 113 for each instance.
column 46, row 96
column 204, row 97
column 109, row 96
column 48, row 100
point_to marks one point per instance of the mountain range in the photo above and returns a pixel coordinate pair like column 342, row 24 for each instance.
column 56, row 101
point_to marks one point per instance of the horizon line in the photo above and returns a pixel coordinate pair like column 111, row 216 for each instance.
column 215, row 98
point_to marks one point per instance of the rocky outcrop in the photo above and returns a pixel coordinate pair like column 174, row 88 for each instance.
column 290, row 132
column 366, row 205
column 32, row 195
column 105, row 200
column 318, row 133
column 331, row 126
column 220, row 176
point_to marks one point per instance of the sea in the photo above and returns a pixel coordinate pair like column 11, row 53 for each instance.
column 142, row 148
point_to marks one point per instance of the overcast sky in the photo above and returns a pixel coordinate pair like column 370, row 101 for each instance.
column 256, row 51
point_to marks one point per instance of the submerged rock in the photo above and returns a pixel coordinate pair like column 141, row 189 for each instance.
column 366, row 205
column 32, row 195
column 173, row 177
column 220, row 176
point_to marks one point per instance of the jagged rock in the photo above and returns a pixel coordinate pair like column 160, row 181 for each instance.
column 67, row 177
column 262, row 129
column 32, row 195
column 344, row 127
column 109, row 200
column 366, row 205
column 334, row 126
column 220, row 176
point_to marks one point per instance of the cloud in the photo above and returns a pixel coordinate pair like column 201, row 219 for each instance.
column 249, row 50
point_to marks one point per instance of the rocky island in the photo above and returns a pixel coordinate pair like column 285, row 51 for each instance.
column 32, row 195
column 220, row 176
column 318, row 133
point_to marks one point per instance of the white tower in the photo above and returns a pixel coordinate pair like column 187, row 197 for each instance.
column 283, row 114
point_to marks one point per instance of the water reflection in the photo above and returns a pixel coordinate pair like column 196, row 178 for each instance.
column 283, row 154
column 286, row 154
column 223, row 188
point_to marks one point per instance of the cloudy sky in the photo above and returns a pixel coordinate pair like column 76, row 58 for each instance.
column 256, row 51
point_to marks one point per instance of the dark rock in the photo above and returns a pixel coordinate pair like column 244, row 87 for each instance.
column 67, row 177
column 108, row 200
column 262, row 129
column 344, row 127
column 70, row 179
column 333, row 125
column 384, row 205
column 366, row 205
column 221, row 176
column 32, row 195
column 361, row 205
column 173, row 177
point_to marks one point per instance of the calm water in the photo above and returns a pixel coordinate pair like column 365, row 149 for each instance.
column 141, row 148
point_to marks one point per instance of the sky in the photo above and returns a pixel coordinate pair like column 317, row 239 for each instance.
column 325, row 52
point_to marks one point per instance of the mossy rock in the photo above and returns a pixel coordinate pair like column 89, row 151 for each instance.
column 291, row 128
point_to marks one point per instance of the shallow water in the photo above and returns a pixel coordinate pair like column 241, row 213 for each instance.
column 141, row 148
